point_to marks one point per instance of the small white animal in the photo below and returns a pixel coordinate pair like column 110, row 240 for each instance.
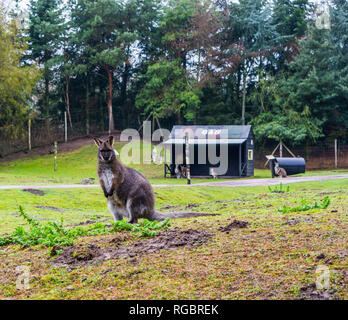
column 154, row 154
column 213, row 173
column 160, row 159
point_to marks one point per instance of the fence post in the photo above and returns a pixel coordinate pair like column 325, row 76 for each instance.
column 187, row 150
column 281, row 149
column 29, row 133
column 55, row 155
column 335, row 153
column 65, row 127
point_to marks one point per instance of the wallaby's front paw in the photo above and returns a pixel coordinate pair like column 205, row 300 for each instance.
column 106, row 194
column 133, row 221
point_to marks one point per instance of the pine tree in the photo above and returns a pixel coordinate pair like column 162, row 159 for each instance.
column 101, row 40
column 167, row 92
column 45, row 32
column 17, row 82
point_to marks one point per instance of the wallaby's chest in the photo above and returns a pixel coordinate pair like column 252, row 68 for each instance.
column 107, row 176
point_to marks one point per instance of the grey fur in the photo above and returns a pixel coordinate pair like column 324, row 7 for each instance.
column 279, row 171
column 128, row 192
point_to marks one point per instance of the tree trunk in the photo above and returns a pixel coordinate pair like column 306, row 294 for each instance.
column 178, row 120
column 67, row 99
column 101, row 108
column 47, row 99
column 198, row 80
column 47, row 103
column 111, row 118
column 123, row 94
column 244, row 96
column 87, row 106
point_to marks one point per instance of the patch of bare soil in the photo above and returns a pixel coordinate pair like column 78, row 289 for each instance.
column 77, row 256
column 83, row 223
column 50, row 208
column 179, row 214
column 293, row 222
column 311, row 292
column 183, row 214
column 190, row 205
column 37, row 192
column 342, row 253
column 235, row 224
column 168, row 206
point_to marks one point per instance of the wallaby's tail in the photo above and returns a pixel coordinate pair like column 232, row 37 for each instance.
column 173, row 215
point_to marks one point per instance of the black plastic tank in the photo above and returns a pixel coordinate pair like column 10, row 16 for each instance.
column 291, row 165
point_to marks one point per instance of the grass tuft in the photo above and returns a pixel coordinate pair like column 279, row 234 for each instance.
column 279, row 189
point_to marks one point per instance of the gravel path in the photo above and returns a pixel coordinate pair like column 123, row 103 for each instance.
column 215, row 183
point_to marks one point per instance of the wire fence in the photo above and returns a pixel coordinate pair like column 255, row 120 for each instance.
column 43, row 133
column 36, row 132
column 319, row 156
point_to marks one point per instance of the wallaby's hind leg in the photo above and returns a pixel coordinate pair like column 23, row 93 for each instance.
column 132, row 214
column 114, row 210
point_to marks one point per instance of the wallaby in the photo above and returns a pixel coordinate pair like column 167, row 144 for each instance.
column 213, row 173
column 279, row 171
column 128, row 192
column 179, row 171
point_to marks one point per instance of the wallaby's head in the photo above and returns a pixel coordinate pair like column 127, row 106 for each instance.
column 106, row 151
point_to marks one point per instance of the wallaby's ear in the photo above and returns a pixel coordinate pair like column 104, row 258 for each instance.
column 97, row 141
column 110, row 140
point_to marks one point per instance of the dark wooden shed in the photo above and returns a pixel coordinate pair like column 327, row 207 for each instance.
column 238, row 139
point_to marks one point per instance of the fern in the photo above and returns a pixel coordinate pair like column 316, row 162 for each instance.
column 54, row 233
column 306, row 206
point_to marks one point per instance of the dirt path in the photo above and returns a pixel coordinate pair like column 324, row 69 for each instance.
column 230, row 183
column 270, row 181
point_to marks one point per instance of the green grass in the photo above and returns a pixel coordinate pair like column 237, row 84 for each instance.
column 272, row 258
column 82, row 163
column 77, row 205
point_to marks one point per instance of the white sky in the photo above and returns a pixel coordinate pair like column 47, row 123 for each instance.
column 8, row 4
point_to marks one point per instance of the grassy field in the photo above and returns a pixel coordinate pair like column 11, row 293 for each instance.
column 263, row 254
column 80, row 164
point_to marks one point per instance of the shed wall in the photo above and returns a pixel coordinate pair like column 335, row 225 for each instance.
column 250, row 163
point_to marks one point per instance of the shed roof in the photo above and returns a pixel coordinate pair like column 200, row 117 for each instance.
column 205, row 141
column 211, row 132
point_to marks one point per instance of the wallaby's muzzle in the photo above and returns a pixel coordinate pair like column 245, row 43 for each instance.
column 107, row 155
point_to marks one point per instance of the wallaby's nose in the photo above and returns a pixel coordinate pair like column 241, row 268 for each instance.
column 106, row 155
